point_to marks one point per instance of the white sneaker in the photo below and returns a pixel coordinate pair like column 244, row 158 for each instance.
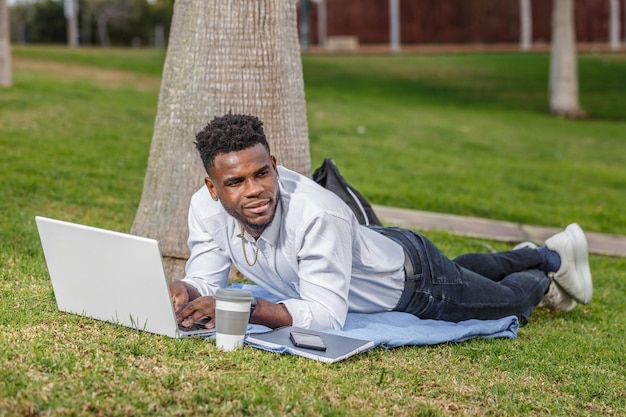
column 574, row 276
column 557, row 299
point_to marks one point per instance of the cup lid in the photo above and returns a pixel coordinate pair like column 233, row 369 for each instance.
column 227, row 294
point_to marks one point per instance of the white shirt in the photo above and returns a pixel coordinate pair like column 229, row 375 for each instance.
column 314, row 256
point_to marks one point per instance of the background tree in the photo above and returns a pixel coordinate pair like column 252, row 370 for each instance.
column 223, row 55
column 108, row 22
column 526, row 25
column 156, row 21
column 117, row 13
column 127, row 22
column 71, row 14
column 563, row 66
column 614, row 24
column 40, row 22
column 6, row 74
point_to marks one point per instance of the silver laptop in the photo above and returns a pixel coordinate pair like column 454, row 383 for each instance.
column 109, row 276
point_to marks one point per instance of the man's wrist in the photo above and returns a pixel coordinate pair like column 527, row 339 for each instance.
column 253, row 305
column 192, row 291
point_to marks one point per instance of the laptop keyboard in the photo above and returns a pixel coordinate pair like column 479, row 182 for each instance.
column 192, row 328
column 199, row 325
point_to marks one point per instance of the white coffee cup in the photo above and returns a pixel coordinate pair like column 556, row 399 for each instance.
column 232, row 312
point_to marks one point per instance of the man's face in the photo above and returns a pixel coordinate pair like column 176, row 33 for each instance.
column 246, row 183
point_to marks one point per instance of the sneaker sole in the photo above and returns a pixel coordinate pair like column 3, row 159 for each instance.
column 581, row 261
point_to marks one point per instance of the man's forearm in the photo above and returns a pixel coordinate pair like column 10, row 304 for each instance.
column 271, row 315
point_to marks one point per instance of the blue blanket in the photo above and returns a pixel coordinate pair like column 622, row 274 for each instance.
column 394, row 328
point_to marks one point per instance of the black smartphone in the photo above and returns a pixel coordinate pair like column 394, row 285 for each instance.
column 307, row 340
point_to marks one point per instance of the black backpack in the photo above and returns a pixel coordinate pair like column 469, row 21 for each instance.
column 328, row 176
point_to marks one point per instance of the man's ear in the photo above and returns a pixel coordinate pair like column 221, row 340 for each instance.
column 209, row 184
column 274, row 165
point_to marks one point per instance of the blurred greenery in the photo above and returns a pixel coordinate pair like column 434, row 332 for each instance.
column 471, row 134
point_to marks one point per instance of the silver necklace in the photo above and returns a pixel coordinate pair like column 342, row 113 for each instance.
column 243, row 246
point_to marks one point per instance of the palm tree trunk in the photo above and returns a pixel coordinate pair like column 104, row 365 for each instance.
column 614, row 23
column 6, row 74
column 223, row 55
column 563, row 65
column 526, row 25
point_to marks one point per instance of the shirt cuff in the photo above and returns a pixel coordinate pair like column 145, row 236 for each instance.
column 304, row 314
column 203, row 288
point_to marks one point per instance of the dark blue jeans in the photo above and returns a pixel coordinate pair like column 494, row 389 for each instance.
column 473, row 286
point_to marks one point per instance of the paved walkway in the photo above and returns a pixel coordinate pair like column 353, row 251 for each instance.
column 599, row 243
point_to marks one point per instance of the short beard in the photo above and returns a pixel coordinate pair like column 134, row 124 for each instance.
column 259, row 228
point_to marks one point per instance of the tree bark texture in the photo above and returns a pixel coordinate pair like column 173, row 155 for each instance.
column 223, row 55
column 6, row 71
column 563, row 66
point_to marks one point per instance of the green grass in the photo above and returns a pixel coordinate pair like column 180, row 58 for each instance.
column 141, row 61
column 466, row 134
column 472, row 135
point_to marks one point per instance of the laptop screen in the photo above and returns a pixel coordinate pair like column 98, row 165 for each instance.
column 108, row 275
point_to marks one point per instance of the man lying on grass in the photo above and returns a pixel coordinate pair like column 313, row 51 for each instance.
column 303, row 244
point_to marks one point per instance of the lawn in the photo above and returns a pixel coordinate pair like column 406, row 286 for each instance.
column 466, row 134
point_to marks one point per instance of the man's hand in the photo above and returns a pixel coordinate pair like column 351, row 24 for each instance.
column 179, row 293
column 195, row 310
column 190, row 306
